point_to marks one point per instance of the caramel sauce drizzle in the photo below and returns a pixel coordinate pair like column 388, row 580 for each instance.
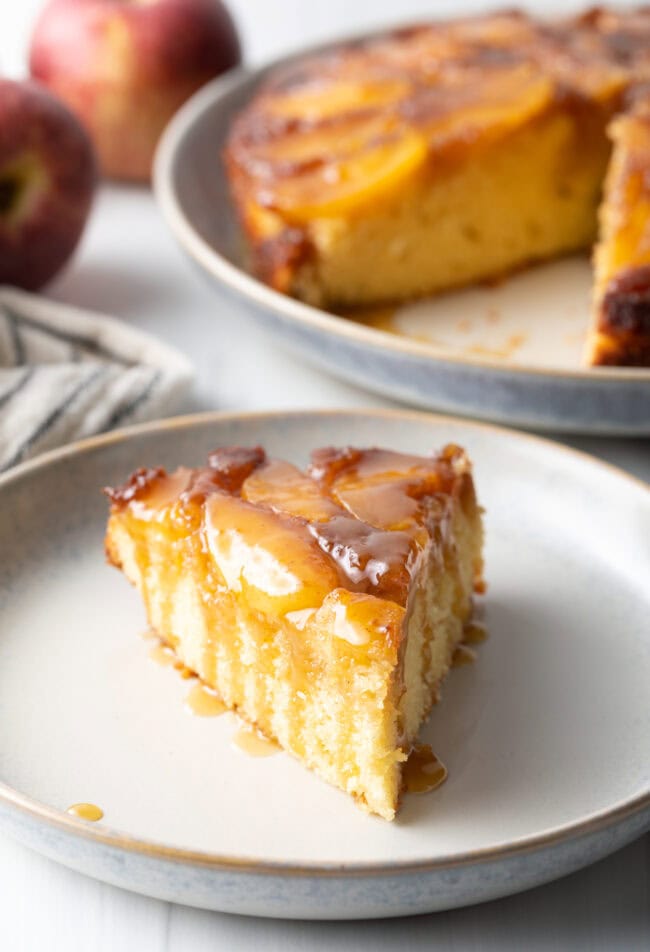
column 462, row 655
column 474, row 634
column 254, row 744
column 185, row 672
column 163, row 655
column 204, row 702
column 385, row 320
column 423, row 772
column 86, row 811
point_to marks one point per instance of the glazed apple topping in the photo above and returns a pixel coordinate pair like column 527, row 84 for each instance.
column 356, row 521
column 270, row 556
column 386, row 489
column 373, row 560
column 337, row 130
column 233, row 464
column 347, row 181
column 149, row 491
column 285, row 488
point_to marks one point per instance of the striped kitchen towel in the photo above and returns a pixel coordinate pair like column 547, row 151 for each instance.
column 66, row 374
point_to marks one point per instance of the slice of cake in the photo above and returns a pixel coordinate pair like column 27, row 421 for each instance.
column 443, row 155
column 324, row 607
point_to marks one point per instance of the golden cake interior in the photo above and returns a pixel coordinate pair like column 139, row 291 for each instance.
column 323, row 606
column 446, row 154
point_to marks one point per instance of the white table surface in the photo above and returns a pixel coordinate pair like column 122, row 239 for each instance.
column 128, row 265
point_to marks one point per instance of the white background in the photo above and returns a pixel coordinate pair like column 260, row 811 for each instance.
column 129, row 266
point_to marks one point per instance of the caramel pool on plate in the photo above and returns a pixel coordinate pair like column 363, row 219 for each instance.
column 423, row 771
column 86, row 811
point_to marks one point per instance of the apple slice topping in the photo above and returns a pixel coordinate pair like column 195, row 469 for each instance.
column 321, row 99
column 150, row 492
column 285, row 488
column 370, row 559
column 268, row 556
column 297, row 150
column 459, row 111
column 231, row 465
column 373, row 560
column 380, row 487
column 342, row 185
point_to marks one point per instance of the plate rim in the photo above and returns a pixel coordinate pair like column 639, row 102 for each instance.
column 39, row 812
column 237, row 280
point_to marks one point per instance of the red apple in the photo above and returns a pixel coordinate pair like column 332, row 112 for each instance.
column 47, row 178
column 125, row 66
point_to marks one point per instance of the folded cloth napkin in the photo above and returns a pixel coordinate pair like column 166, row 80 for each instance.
column 66, row 374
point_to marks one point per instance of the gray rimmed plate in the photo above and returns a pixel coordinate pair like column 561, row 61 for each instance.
column 509, row 353
column 546, row 737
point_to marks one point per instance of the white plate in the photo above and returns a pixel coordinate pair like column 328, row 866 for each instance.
column 511, row 353
column 547, row 737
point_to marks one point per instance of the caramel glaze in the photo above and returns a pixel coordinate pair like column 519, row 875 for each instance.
column 419, row 77
column 253, row 744
column 185, row 672
column 436, row 68
column 233, row 464
column 423, row 772
column 368, row 557
column 376, row 510
column 162, row 654
column 462, row 655
column 201, row 701
column 474, row 634
column 86, row 811
column 204, row 702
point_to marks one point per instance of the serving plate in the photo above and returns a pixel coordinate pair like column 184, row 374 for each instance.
column 546, row 737
column 509, row 353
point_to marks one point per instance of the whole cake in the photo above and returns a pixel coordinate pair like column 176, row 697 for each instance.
column 451, row 153
column 324, row 606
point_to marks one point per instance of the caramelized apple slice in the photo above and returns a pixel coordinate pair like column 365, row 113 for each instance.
column 306, row 149
column 151, row 492
column 372, row 559
column 338, row 188
column 268, row 556
column 386, row 505
column 505, row 101
column 285, row 488
column 319, row 100
column 378, row 486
